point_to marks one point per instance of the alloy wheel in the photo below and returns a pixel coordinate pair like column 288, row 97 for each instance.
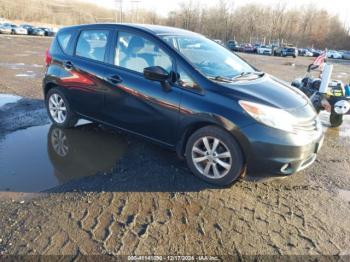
column 211, row 157
column 59, row 142
column 57, row 108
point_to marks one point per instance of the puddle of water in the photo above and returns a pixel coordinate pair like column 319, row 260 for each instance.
column 344, row 194
column 8, row 98
column 43, row 157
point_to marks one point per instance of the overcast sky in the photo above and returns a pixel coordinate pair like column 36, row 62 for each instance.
column 340, row 7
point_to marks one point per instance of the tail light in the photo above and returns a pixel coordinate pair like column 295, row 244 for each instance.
column 48, row 57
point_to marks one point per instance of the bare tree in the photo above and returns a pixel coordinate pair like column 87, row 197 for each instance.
column 305, row 26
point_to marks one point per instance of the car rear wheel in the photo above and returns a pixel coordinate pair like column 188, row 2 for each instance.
column 59, row 110
column 214, row 156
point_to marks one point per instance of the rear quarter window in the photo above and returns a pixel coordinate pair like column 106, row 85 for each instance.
column 64, row 39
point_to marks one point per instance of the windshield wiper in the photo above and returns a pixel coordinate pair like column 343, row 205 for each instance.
column 231, row 79
column 260, row 74
column 221, row 79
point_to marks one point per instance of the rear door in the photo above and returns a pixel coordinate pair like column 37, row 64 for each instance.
column 87, row 70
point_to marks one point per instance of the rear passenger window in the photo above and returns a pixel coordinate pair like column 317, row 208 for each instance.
column 92, row 44
column 63, row 39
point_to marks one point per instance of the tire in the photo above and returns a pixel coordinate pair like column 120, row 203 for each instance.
column 69, row 118
column 335, row 119
column 228, row 169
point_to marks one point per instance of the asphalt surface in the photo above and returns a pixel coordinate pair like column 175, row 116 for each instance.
column 145, row 200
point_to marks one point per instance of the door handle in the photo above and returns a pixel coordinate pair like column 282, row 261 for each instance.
column 114, row 79
column 68, row 65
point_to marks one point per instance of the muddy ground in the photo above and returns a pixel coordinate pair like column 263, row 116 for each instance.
column 144, row 200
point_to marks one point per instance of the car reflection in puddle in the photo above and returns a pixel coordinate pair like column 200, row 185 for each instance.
column 31, row 163
column 83, row 151
column 89, row 157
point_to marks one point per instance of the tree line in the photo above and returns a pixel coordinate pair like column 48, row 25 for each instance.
column 305, row 26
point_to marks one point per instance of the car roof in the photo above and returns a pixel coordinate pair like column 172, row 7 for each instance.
column 153, row 29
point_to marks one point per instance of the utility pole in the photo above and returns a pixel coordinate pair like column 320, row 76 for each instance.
column 118, row 5
column 121, row 10
column 136, row 2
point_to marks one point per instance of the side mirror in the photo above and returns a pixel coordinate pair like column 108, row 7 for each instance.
column 156, row 73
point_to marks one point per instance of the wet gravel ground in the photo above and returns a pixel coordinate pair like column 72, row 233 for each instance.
column 148, row 202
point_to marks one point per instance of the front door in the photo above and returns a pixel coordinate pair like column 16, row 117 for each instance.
column 135, row 103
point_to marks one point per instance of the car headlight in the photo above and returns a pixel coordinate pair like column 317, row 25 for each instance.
column 270, row 116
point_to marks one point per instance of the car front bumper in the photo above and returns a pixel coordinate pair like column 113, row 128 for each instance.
column 5, row 31
column 278, row 153
column 20, row 33
column 289, row 54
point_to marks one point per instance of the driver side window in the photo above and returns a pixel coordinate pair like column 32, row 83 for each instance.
column 135, row 52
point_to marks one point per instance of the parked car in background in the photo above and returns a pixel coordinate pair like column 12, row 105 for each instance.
column 247, row 48
column 256, row 46
column 305, row 52
column 277, row 50
column 346, row 55
column 315, row 52
column 289, row 51
column 29, row 28
column 264, row 50
column 5, row 29
column 233, row 45
column 38, row 32
column 334, row 54
column 48, row 31
column 182, row 90
column 18, row 30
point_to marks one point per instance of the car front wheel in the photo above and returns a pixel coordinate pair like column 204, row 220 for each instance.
column 59, row 110
column 335, row 119
column 214, row 156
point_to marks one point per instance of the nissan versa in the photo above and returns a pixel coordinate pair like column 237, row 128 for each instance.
column 184, row 91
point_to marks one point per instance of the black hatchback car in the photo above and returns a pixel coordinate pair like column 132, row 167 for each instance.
column 185, row 92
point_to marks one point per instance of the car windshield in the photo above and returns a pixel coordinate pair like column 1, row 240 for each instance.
column 208, row 57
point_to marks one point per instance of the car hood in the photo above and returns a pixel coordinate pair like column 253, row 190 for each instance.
column 267, row 90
